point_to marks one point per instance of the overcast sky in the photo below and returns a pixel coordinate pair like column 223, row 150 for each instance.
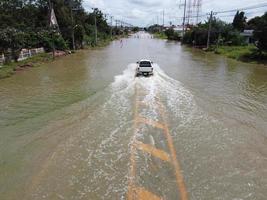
column 146, row 12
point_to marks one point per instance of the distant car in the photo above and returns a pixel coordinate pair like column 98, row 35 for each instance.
column 144, row 67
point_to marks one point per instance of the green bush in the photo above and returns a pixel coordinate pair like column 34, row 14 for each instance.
column 234, row 38
column 187, row 38
column 135, row 29
column 220, row 32
column 49, row 39
column 172, row 35
column 89, row 40
column 79, row 33
column 60, row 43
column 160, row 35
column 13, row 39
column 261, row 32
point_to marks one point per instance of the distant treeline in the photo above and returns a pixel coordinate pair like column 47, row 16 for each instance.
column 26, row 24
column 222, row 33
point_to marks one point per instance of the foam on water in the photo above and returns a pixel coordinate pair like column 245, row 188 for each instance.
column 177, row 98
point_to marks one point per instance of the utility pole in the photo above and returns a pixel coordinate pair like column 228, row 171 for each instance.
column 184, row 17
column 72, row 24
column 95, row 29
column 163, row 17
column 210, row 21
column 198, row 9
column 111, row 23
column 189, row 11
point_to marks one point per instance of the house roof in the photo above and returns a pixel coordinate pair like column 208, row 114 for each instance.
column 247, row 33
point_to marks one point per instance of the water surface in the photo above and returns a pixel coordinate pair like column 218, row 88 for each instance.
column 66, row 128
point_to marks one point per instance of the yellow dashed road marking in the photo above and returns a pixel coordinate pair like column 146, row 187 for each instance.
column 153, row 151
column 150, row 122
column 142, row 194
column 139, row 193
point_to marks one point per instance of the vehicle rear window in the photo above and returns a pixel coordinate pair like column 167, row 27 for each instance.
column 145, row 64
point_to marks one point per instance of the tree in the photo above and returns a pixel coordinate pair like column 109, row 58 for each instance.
column 172, row 35
column 25, row 24
column 260, row 33
column 79, row 35
column 13, row 40
column 136, row 29
column 155, row 28
column 254, row 23
column 198, row 35
column 50, row 39
column 239, row 22
column 221, row 32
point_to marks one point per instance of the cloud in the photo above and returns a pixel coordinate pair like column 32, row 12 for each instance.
column 144, row 12
column 94, row 4
column 148, row 3
column 136, row 14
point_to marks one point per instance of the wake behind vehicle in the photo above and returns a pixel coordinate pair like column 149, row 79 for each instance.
column 145, row 68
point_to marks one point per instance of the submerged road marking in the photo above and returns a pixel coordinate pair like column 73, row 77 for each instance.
column 178, row 172
column 143, row 194
column 137, row 193
column 150, row 122
column 153, row 151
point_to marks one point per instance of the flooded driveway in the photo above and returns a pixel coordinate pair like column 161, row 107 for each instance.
column 84, row 127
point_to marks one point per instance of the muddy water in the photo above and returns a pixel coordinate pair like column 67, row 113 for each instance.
column 67, row 128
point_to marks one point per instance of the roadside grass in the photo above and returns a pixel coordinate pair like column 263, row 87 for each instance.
column 247, row 53
column 6, row 71
column 160, row 35
column 9, row 69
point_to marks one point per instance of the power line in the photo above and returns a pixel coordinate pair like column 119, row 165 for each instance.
column 262, row 5
column 232, row 15
column 107, row 14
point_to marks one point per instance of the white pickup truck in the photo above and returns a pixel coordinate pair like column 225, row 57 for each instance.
column 144, row 67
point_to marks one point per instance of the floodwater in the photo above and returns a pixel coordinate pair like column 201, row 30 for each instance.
column 83, row 127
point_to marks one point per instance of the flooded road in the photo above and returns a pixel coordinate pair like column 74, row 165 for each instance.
column 83, row 127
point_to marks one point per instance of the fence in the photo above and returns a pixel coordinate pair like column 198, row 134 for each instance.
column 24, row 54
column 2, row 59
column 27, row 53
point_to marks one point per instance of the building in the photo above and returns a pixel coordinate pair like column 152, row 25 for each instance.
column 179, row 30
column 248, row 35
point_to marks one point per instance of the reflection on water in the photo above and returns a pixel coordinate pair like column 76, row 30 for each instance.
column 66, row 127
